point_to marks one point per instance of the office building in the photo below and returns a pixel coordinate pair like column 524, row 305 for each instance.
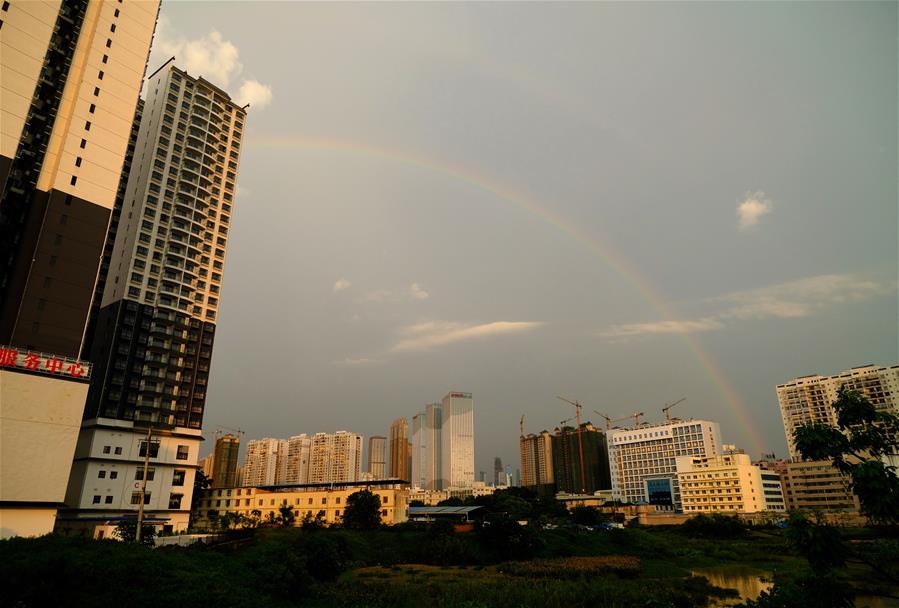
column 299, row 453
column 537, row 461
column 224, row 461
column 308, row 501
column 335, row 458
column 418, row 452
column 432, row 467
column 567, row 445
column 457, row 441
column 809, row 398
column 71, row 76
column 377, row 457
column 153, row 337
column 399, row 449
column 497, row 471
column 264, row 462
column 723, row 483
column 643, row 460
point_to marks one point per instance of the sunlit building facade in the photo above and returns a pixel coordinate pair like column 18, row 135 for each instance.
column 457, row 441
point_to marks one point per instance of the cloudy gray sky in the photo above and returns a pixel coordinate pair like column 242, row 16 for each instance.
column 619, row 203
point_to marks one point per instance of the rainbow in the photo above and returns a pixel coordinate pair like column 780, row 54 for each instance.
column 615, row 260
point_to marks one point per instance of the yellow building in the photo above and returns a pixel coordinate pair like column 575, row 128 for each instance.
column 308, row 499
column 817, row 485
column 721, row 483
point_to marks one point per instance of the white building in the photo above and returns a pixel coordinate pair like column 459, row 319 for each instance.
column 335, row 458
column 299, row 451
column 265, row 462
column 643, row 461
column 457, row 441
column 724, row 483
column 809, row 398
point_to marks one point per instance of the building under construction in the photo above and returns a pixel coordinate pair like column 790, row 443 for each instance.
column 552, row 462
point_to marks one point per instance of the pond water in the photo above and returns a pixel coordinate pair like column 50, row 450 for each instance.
column 750, row 582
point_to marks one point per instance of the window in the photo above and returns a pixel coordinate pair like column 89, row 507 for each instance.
column 105, row 58
column 154, row 445
column 118, row 451
column 101, row 475
column 96, row 91
column 178, row 478
column 74, row 180
column 175, row 501
column 113, row 474
column 108, row 500
column 87, row 125
column 139, row 473
column 106, row 449
column 112, row 27
column 96, row 500
column 83, row 143
column 77, row 161
column 182, row 452
column 109, row 43
column 135, row 498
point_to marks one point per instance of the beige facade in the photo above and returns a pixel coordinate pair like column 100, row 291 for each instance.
column 330, row 501
column 808, row 398
column 335, row 457
column 39, row 422
column 721, row 483
column 299, row 450
column 264, row 462
column 536, row 459
column 377, row 457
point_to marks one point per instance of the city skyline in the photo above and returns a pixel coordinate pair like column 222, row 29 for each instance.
column 587, row 203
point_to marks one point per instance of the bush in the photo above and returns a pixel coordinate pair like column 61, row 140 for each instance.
column 714, row 526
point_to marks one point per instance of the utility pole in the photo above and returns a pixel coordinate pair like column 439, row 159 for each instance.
column 580, row 443
column 143, row 487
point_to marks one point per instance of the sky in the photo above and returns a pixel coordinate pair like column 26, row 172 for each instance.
column 622, row 204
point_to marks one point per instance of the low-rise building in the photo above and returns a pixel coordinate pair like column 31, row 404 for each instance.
column 310, row 500
column 722, row 483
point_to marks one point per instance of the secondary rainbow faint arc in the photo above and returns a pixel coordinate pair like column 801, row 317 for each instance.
column 615, row 260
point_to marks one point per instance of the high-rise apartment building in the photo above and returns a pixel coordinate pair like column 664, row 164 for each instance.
column 70, row 76
column 335, row 458
column 536, row 460
column 153, row 338
column 567, row 446
column 432, row 466
column 224, row 461
column 299, row 453
column 72, row 73
column 399, row 450
column 457, row 441
column 419, row 450
column 809, row 398
column 643, row 460
column 264, row 462
column 497, row 471
column 377, row 457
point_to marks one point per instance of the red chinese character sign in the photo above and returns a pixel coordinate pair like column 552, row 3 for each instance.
column 44, row 363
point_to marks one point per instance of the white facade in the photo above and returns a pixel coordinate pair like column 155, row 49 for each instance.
column 335, row 457
column 457, row 439
column 299, row 450
column 722, row 483
column 265, row 459
column 108, row 470
column 417, row 438
column 642, row 457
column 810, row 398
column 377, row 457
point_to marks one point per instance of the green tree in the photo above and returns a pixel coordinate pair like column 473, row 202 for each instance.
column 286, row 516
column 363, row 511
column 126, row 531
column 316, row 522
column 584, row 515
column 864, row 436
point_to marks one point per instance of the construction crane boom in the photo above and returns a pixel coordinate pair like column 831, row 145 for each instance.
column 521, row 425
column 667, row 408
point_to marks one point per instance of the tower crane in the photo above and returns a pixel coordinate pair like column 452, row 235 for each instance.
column 636, row 417
column 220, row 428
column 668, row 407
column 580, row 442
column 610, row 421
column 521, row 425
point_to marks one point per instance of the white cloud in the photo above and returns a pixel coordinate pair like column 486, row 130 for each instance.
column 753, row 207
column 210, row 56
column 417, row 292
column 424, row 336
column 360, row 362
column 341, row 284
column 790, row 300
column 378, row 295
column 255, row 93
column 662, row 327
